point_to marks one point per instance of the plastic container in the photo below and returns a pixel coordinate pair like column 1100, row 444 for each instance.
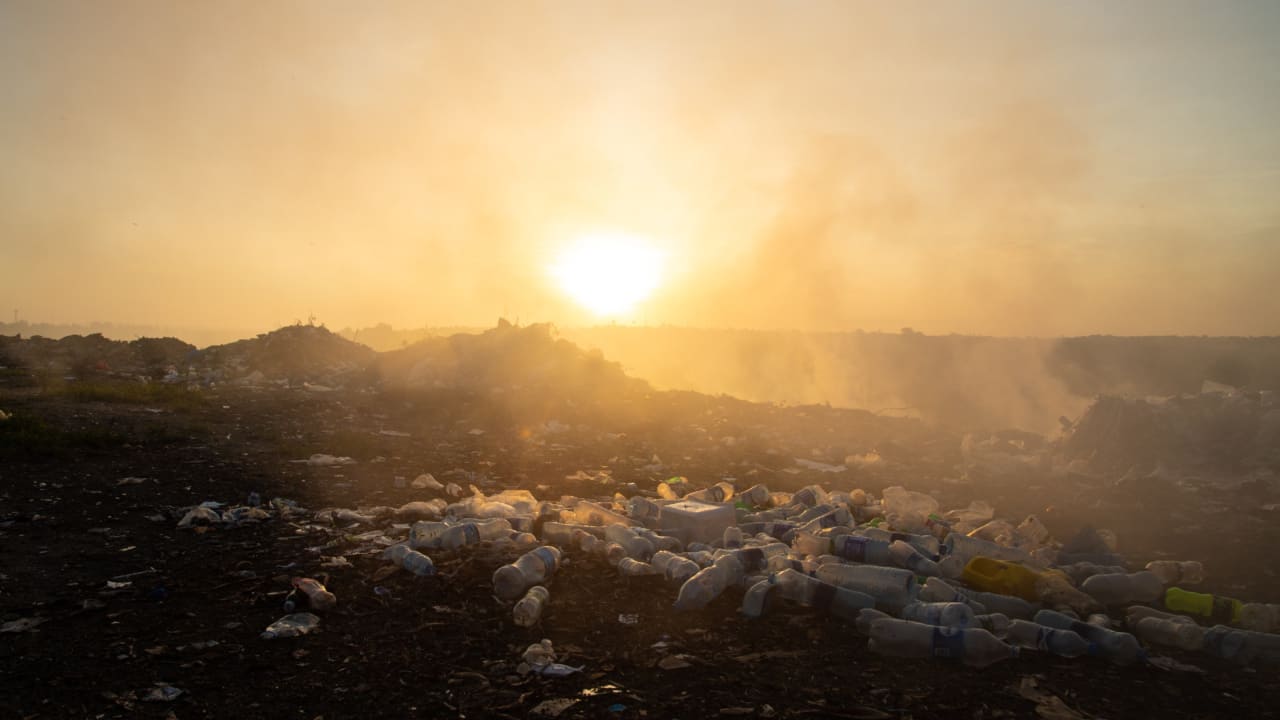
column 1063, row 643
column 635, row 546
column 998, row 576
column 694, row 521
column 1121, row 648
column 1161, row 631
column 511, row 581
column 1124, row 588
column 946, row 614
column 1179, row 572
column 1135, row 613
column 803, row 590
column 973, row 647
column 528, row 611
column 908, row 557
column 1217, row 608
column 1081, row 571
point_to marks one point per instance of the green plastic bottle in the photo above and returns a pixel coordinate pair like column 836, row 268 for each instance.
column 1214, row 607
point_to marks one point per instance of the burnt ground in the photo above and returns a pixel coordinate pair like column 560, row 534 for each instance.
column 444, row 646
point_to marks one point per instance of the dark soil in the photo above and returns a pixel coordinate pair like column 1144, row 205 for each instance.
column 444, row 646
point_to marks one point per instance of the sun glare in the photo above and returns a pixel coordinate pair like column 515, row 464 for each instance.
column 609, row 274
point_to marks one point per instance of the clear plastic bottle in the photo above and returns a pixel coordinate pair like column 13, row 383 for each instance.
column 757, row 558
column 630, row 567
column 418, row 564
column 720, row 492
column 1035, row 636
column 614, row 553
column 838, row 517
column 810, row 495
column 1121, row 648
column 807, row 543
column 562, row 534
column 860, row 549
column 1177, row 572
column 635, row 546
column 528, row 611
column 1241, row 646
column 774, row 529
column 973, row 647
column 642, row 509
column 709, row 583
column 908, row 557
column 1123, row 589
column 1136, row 613
column 927, row 545
column 732, row 537
column 510, row 581
column 291, row 626
column 427, row 534
column 838, row 602
column 318, row 597
column 755, row 496
column 396, row 553
column 866, row 616
column 675, row 568
column 965, row 548
column 470, row 533
column 588, row 542
column 1081, row 571
column 947, row 614
column 892, row 588
column 1161, row 631
column 1260, row 617
column 995, row 623
column 938, row 590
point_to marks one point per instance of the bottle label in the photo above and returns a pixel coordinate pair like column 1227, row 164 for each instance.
column 948, row 642
column 751, row 558
column 1223, row 609
column 852, row 548
column 548, row 559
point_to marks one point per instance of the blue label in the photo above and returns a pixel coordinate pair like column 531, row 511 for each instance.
column 948, row 642
column 471, row 534
column 852, row 548
column 548, row 559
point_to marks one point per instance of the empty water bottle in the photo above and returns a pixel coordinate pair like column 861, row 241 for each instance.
column 995, row 623
column 906, row 556
column 1081, row 571
column 1136, row 613
column 1124, row 588
column 1177, row 572
column 709, row 583
column 836, row 601
column 965, row 548
column 947, row 614
column 1162, row 631
column 1260, row 617
column 861, row 549
column 755, row 496
column 291, row 626
column 318, row 597
column 643, row 509
column 732, row 537
column 470, row 533
column 528, row 611
column 810, row 495
column 937, row 590
column 675, row 568
column 1121, row 648
column 720, row 492
column 418, row 564
column 510, row 581
column 396, row 553
column 892, row 588
column 632, row 544
column 926, row 544
column 866, row 616
column 630, row 567
column 1242, row 646
column 1035, row 636
column 903, row 638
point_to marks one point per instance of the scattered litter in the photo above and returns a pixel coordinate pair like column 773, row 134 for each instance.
column 22, row 625
column 323, row 460
column 553, row 707
column 291, row 626
column 162, row 693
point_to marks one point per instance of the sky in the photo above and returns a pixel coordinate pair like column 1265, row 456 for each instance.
column 999, row 168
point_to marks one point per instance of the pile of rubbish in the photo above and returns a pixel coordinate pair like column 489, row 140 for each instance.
column 1221, row 428
column 920, row 582
column 298, row 355
column 82, row 354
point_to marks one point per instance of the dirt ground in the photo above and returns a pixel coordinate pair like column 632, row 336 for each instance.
column 195, row 602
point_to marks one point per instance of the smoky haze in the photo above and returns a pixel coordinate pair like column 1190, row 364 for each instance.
column 994, row 168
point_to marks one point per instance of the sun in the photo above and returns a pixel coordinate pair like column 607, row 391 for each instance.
column 609, row 273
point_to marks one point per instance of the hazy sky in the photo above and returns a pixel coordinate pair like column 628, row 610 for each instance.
column 982, row 167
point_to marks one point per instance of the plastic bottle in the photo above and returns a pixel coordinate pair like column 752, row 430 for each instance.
column 630, row 567
column 1136, row 613
column 426, row 534
column 838, row 602
column 810, row 495
column 938, row 590
column 1063, row 643
column 396, row 553
column 732, row 537
column 1122, row 589
column 908, row 557
column 892, row 588
column 586, row 512
column 528, row 611
column 708, row 583
column 660, row 542
column 470, row 533
column 1260, row 617
column 839, row 517
column 1213, row 607
column 1121, row 648
column 558, row 533
column 588, row 543
column 318, row 597
column 510, row 581
column 1081, row 571
column 861, row 549
column 755, row 496
column 772, row 528
column 675, row 568
column 634, row 545
column 720, row 492
column 807, row 543
column 757, row 558
column 1180, row 572
column 995, row 623
column 866, row 616
column 643, row 509
column 1000, row 576
column 906, row 510
column 946, row 614
column 291, row 626
column 1241, row 646
column 1160, row 631
column 418, row 564
column 966, row 548
column 926, row 544
column 902, row 638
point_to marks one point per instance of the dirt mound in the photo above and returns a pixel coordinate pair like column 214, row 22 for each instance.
column 297, row 353
column 81, row 354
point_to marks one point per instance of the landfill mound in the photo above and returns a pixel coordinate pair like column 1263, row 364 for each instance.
column 1223, row 431
column 82, row 354
column 295, row 354
column 507, row 358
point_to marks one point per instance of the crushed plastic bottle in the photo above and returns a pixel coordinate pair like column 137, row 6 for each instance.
column 528, row 610
column 1177, row 572
column 510, row 581
column 1121, row 648
column 907, row 510
column 1161, row 631
column 317, row 596
column 1124, row 588
column 418, row 564
column 291, row 626
column 903, row 638
column 1063, row 643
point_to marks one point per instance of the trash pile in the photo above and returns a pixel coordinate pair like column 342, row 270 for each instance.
column 919, row 582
